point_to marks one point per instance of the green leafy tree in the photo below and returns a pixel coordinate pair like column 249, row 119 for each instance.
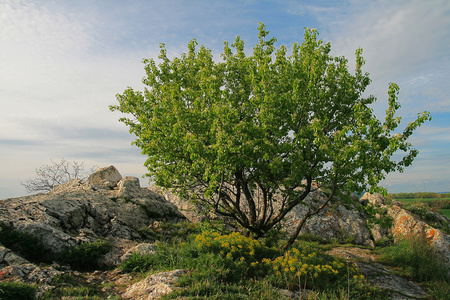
column 251, row 136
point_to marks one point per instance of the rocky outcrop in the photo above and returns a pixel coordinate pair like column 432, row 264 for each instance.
column 106, row 206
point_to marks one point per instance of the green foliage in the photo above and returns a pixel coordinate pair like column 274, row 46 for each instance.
column 10, row 290
column 249, row 130
column 378, row 215
column 25, row 244
column 417, row 258
column 84, row 256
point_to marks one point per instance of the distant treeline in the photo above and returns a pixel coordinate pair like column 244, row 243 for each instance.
column 418, row 195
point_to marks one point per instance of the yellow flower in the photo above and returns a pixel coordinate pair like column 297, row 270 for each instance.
column 242, row 258
column 316, row 275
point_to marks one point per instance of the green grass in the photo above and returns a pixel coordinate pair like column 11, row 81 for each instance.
column 417, row 260
column 16, row 291
column 231, row 266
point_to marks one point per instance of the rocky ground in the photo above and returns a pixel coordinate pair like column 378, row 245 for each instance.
column 118, row 210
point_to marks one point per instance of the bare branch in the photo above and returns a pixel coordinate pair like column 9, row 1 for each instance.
column 57, row 173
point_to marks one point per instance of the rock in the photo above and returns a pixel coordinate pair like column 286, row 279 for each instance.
column 379, row 275
column 335, row 221
column 374, row 199
column 195, row 214
column 29, row 273
column 9, row 258
column 142, row 249
column 154, row 286
column 104, row 178
column 379, row 233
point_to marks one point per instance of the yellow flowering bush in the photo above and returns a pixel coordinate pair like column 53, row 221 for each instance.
column 296, row 269
column 232, row 246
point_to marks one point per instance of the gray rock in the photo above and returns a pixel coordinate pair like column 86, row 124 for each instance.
column 154, row 286
column 104, row 178
column 9, row 258
column 143, row 249
column 378, row 232
column 335, row 221
column 374, row 199
column 379, row 275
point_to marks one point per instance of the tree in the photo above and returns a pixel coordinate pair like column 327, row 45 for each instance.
column 49, row 176
column 248, row 137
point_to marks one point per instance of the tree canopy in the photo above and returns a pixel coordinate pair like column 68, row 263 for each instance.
column 239, row 134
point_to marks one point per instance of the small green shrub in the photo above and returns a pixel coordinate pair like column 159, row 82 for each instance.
column 138, row 263
column 16, row 291
column 378, row 215
column 84, row 257
column 384, row 242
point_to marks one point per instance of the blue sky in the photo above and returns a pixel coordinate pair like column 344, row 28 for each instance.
column 62, row 62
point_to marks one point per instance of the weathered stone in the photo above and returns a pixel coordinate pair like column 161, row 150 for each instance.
column 335, row 221
column 142, row 249
column 154, row 286
column 106, row 178
column 374, row 199
column 9, row 258
column 378, row 232
column 195, row 214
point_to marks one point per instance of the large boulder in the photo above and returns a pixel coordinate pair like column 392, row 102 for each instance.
column 106, row 177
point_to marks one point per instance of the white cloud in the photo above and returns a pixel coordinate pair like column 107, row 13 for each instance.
column 404, row 42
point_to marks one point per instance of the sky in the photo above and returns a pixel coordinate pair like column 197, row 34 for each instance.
column 62, row 62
